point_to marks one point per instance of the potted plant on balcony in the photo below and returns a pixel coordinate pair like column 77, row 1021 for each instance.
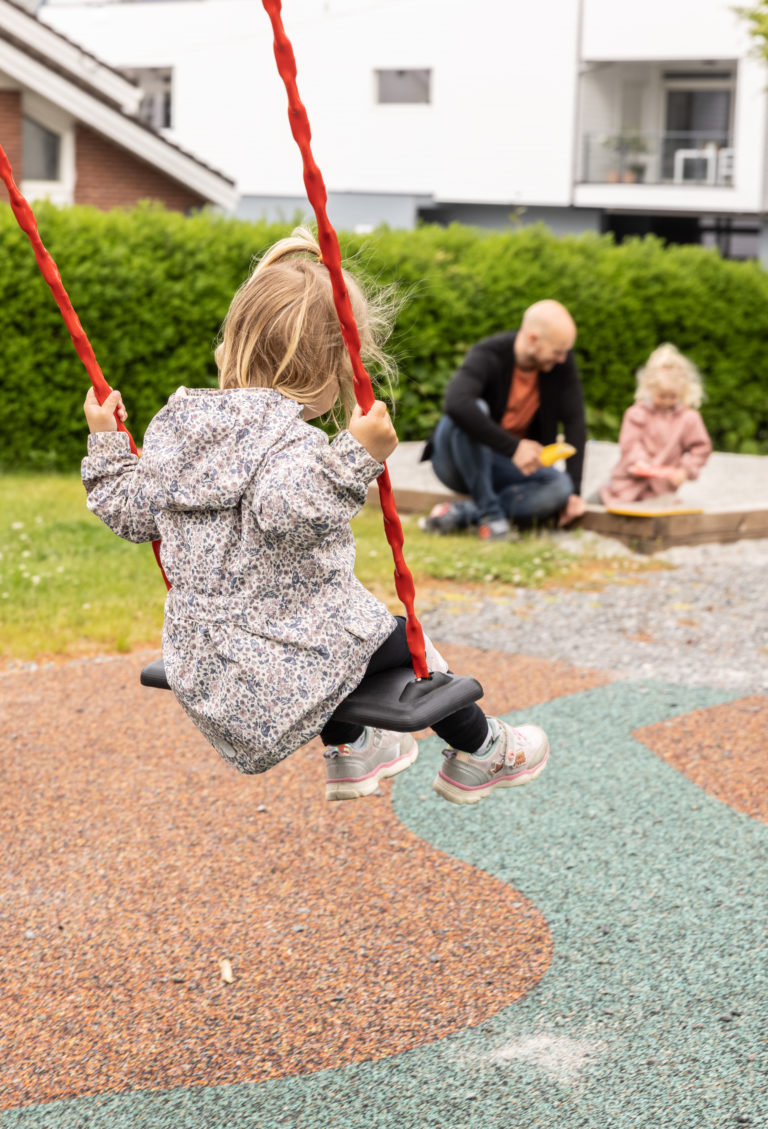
column 627, row 145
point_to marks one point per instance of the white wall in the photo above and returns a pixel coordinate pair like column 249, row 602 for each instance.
column 499, row 128
column 662, row 29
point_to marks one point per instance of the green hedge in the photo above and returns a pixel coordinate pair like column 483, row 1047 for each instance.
column 152, row 287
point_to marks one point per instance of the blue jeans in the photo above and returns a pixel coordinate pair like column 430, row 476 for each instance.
column 496, row 486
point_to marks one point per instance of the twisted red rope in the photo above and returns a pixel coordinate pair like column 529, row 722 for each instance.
column 27, row 222
column 329, row 245
column 50, row 272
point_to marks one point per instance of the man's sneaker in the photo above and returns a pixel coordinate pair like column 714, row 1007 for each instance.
column 350, row 773
column 515, row 757
column 445, row 517
column 494, row 529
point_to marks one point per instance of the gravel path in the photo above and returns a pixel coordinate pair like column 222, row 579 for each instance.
column 701, row 622
column 567, row 956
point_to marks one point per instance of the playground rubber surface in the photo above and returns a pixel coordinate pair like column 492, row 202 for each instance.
column 184, row 947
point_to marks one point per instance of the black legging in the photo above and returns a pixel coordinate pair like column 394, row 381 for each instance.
column 466, row 729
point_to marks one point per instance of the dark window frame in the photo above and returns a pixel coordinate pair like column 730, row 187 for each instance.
column 404, row 86
column 41, row 149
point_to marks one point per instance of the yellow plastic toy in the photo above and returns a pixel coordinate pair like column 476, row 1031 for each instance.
column 553, row 452
column 628, row 510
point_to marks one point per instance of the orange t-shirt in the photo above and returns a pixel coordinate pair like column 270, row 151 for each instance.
column 522, row 402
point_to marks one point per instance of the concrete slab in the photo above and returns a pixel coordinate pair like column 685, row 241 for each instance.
column 732, row 492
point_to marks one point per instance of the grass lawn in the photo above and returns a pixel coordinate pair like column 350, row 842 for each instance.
column 69, row 587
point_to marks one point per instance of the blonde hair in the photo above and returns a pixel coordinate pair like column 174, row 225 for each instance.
column 282, row 331
column 667, row 367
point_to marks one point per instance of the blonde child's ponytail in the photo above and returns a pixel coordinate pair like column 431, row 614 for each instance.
column 301, row 241
column 282, row 330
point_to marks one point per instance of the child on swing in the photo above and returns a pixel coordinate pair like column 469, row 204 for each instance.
column 663, row 441
column 266, row 627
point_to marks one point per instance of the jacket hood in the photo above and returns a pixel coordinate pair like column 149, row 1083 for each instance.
column 204, row 447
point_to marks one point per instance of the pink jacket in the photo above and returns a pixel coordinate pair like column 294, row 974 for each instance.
column 675, row 437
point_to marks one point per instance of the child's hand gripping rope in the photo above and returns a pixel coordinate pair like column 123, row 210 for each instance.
column 374, row 431
column 101, row 417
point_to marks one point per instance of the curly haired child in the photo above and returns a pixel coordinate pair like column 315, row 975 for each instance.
column 663, row 441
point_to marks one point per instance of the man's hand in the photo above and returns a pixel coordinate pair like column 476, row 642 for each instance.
column 374, row 431
column 526, row 456
column 574, row 508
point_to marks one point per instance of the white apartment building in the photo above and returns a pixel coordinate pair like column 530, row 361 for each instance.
column 602, row 115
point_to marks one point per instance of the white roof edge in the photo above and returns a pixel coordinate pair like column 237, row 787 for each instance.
column 142, row 142
column 43, row 38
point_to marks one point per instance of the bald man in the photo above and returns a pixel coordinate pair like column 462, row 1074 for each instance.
column 513, row 393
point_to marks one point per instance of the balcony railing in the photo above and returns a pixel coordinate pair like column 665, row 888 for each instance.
column 683, row 158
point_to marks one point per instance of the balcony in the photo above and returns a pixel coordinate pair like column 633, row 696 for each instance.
column 672, row 158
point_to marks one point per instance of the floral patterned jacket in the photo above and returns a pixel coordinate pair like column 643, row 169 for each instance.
column 266, row 627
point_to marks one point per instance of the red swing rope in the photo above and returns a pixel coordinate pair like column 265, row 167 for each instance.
column 329, row 245
column 27, row 222
column 50, row 272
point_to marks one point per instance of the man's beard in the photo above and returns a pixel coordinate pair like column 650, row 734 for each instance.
column 528, row 363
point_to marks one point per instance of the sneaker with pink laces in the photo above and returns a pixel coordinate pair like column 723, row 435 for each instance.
column 517, row 756
column 445, row 517
column 351, row 772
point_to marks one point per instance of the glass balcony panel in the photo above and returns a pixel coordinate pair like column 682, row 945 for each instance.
column 683, row 157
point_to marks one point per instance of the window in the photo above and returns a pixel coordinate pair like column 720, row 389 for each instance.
column 41, row 150
column 698, row 119
column 403, row 86
column 700, row 104
column 702, row 113
column 156, row 86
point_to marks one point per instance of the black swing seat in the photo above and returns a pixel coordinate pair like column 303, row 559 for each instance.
column 393, row 699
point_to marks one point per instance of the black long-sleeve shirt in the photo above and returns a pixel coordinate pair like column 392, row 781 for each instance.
column 486, row 374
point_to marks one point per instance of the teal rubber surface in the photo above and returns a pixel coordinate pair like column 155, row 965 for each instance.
column 654, row 1011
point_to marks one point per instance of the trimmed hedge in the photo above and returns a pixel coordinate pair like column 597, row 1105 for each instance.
column 152, row 287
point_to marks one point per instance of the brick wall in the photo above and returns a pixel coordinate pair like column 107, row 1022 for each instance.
column 10, row 129
column 107, row 176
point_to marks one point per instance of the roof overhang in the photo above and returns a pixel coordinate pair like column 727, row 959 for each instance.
column 40, row 38
column 100, row 98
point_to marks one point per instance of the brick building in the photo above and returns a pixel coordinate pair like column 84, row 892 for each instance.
column 72, row 128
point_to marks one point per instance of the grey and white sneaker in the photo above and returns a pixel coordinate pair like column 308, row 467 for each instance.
column 515, row 757
column 445, row 517
column 496, row 529
column 351, row 773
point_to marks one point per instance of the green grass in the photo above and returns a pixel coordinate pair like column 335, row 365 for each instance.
column 463, row 558
column 451, row 566
column 69, row 587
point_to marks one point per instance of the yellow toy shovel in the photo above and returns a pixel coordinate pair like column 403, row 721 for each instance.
column 555, row 451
